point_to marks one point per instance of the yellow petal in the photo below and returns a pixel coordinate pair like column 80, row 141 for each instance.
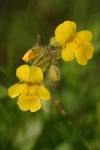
column 36, row 74
column 72, row 24
column 16, row 89
column 23, row 72
column 43, row 93
column 31, row 103
column 64, row 32
column 36, row 105
column 88, row 48
column 84, row 35
column 68, row 52
column 80, row 55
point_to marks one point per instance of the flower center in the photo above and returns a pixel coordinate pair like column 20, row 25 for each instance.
column 77, row 43
column 31, row 89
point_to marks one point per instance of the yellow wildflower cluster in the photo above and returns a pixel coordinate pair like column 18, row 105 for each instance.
column 67, row 44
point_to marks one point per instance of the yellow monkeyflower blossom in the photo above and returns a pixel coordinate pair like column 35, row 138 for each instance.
column 29, row 89
column 74, row 44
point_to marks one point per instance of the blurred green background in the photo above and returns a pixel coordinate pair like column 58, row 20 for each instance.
column 78, row 90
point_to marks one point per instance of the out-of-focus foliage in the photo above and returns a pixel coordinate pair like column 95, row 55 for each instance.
column 78, row 90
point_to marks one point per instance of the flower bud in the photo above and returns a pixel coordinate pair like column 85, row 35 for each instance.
column 29, row 55
column 53, row 42
column 32, row 53
column 54, row 73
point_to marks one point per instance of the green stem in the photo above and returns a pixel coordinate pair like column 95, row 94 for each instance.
column 5, row 113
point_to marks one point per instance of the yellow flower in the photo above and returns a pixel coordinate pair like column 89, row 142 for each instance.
column 74, row 44
column 29, row 89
